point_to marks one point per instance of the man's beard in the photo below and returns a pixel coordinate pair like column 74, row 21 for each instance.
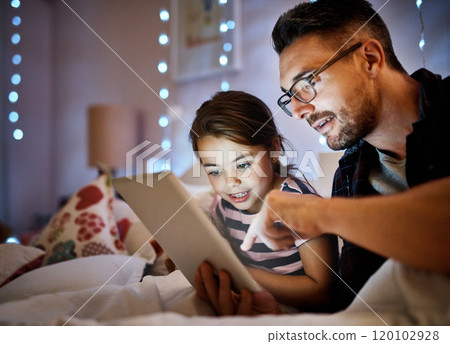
column 353, row 128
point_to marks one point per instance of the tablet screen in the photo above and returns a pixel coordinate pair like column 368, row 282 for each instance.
column 184, row 231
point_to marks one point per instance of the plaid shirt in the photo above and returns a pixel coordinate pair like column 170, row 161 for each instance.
column 426, row 159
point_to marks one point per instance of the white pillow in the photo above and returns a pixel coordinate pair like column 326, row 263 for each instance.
column 17, row 259
column 75, row 274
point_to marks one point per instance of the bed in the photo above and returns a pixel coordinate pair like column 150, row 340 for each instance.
column 115, row 275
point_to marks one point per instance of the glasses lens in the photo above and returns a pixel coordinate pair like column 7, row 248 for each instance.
column 284, row 102
column 303, row 91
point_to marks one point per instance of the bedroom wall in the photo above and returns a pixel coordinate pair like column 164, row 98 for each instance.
column 27, row 180
column 72, row 68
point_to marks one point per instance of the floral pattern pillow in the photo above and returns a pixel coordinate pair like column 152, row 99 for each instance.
column 84, row 226
column 136, row 238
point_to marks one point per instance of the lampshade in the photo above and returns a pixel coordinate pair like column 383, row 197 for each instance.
column 112, row 132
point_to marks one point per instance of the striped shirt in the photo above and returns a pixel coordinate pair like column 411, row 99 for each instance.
column 237, row 222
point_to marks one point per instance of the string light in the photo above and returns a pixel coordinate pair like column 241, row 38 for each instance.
column 164, row 15
column 162, row 67
column 227, row 47
column 16, row 20
column 322, row 140
column 163, row 39
column 164, row 93
column 16, row 59
column 422, row 30
column 166, row 144
column 16, row 78
column 12, row 240
column 13, row 96
column 15, row 38
column 18, row 134
column 224, row 28
column 13, row 116
column 223, row 60
column 224, row 85
column 164, row 121
column 15, row 3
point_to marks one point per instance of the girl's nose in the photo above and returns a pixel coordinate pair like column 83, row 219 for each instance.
column 233, row 181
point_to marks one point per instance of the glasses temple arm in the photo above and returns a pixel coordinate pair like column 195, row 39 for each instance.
column 335, row 59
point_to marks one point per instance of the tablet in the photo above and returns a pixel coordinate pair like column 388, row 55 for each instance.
column 184, row 231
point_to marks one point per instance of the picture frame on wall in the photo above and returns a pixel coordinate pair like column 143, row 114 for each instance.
column 205, row 38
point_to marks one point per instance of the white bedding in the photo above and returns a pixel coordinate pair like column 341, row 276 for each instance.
column 72, row 293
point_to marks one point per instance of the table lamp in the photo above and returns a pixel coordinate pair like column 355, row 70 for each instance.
column 112, row 132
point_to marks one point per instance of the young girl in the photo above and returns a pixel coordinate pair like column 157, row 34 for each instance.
column 239, row 146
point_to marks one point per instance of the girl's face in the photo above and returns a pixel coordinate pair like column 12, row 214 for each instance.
column 240, row 174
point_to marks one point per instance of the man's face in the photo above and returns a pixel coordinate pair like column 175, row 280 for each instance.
column 345, row 107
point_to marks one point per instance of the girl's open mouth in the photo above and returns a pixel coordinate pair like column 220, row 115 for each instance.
column 240, row 196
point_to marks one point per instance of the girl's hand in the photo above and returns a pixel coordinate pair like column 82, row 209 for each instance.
column 218, row 292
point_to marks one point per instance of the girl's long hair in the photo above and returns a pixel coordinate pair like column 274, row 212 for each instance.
column 239, row 117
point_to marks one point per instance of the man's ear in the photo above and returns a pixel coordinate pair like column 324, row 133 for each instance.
column 374, row 58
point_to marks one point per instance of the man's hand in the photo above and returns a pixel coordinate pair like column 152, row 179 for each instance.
column 225, row 301
column 275, row 235
column 284, row 218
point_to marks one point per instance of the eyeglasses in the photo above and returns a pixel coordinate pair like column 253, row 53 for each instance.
column 303, row 89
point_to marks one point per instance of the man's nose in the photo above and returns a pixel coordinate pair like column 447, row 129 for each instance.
column 301, row 110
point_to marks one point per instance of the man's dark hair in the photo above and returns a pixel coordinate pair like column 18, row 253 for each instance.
column 336, row 22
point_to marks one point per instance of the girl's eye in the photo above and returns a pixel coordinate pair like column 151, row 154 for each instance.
column 243, row 166
column 214, row 173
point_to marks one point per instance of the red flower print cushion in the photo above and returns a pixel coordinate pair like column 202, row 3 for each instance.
column 85, row 226
column 87, row 196
column 136, row 238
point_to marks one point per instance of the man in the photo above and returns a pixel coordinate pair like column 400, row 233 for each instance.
column 339, row 72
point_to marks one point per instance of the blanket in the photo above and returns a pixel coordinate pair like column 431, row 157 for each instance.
column 87, row 267
column 395, row 295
